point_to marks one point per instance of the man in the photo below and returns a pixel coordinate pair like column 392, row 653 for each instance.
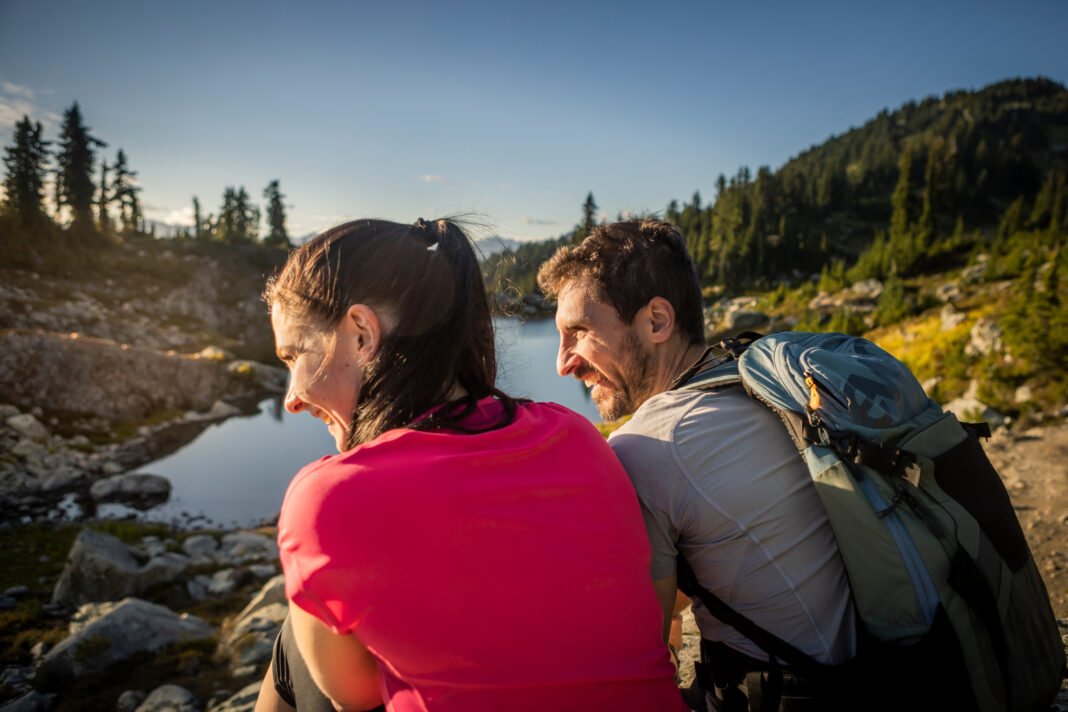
column 718, row 477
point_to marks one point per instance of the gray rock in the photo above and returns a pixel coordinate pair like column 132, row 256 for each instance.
column 28, row 426
column 969, row 408
column 274, row 591
column 1024, row 394
column 30, row 702
column 62, row 478
column 132, row 626
column 30, row 451
column 108, row 379
column 7, row 603
column 87, row 613
column 139, row 490
column 219, row 409
column 38, row 650
column 153, row 545
column 161, row 569
column 197, row 588
column 130, row 700
column 973, row 273
column 7, row 410
column 951, row 318
column 99, row 568
column 868, row 289
column 948, row 292
column 241, row 547
column 102, row 568
column 200, row 545
column 744, row 319
column 112, row 468
column 17, row 591
column 262, row 571
column 226, row 581
column 14, row 676
column 985, row 338
column 243, row 701
column 169, row 698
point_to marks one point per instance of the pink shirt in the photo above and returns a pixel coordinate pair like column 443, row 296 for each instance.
column 506, row 570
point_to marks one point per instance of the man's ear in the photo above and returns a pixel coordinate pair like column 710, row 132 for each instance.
column 661, row 319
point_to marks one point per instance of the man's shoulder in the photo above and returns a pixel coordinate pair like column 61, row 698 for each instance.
column 685, row 409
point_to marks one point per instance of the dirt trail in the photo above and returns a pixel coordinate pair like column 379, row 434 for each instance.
column 1034, row 466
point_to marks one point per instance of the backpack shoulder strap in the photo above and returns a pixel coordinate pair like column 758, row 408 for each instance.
column 774, row 646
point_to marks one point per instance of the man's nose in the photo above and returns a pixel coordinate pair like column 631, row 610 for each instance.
column 567, row 361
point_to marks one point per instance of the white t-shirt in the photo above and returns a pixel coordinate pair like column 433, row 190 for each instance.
column 719, row 479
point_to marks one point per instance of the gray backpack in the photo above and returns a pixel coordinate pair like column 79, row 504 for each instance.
column 922, row 520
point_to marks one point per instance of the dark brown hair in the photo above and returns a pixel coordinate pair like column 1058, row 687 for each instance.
column 628, row 263
column 427, row 276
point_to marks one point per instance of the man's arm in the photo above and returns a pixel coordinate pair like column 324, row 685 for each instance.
column 341, row 665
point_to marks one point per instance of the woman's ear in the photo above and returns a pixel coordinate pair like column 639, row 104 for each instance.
column 363, row 325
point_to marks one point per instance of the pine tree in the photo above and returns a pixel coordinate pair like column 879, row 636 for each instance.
column 276, row 217
column 103, row 217
column 226, row 227
column 589, row 220
column 26, row 164
column 74, row 167
column 197, row 220
column 124, row 191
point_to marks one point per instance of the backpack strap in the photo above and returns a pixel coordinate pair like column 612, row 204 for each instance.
column 774, row 646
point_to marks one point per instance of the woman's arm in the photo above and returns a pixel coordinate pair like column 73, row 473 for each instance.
column 269, row 700
column 340, row 664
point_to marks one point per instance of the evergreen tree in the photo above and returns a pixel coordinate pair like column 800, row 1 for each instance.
column 197, row 220
column 103, row 218
column 124, row 191
column 74, row 167
column 26, row 164
column 276, row 217
column 589, row 220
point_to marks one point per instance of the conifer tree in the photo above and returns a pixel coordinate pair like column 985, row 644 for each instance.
column 74, row 166
column 276, row 217
column 124, row 191
column 26, row 164
column 589, row 220
column 103, row 218
column 197, row 220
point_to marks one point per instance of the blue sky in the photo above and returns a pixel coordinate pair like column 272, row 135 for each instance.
column 510, row 111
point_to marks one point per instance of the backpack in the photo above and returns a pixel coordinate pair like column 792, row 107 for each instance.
column 935, row 556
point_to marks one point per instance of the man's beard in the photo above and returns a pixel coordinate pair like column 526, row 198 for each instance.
column 631, row 386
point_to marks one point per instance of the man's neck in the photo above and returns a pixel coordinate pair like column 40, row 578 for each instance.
column 674, row 361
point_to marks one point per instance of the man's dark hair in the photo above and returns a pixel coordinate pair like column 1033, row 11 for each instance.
column 628, row 263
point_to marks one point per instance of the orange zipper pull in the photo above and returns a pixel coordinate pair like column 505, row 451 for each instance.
column 814, row 395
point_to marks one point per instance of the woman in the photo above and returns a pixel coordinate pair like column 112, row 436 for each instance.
column 465, row 550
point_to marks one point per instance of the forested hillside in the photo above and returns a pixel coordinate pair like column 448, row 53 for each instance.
column 930, row 171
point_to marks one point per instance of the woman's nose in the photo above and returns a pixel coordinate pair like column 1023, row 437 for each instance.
column 293, row 403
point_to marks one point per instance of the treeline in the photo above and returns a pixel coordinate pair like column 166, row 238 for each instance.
column 55, row 200
column 922, row 170
column 905, row 192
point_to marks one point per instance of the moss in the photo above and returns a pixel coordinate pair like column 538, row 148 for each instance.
column 131, row 532
column 90, row 649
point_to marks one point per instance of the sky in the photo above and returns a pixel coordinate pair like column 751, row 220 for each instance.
column 510, row 112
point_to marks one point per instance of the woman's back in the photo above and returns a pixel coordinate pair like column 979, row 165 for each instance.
column 507, row 569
